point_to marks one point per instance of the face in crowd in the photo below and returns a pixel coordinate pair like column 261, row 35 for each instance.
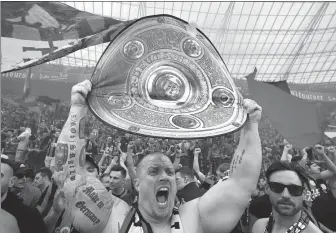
column 182, row 180
column 117, row 180
column 286, row 192
column 40, row 181
column 92, row 135
column 262, row 183
column 156, row 185
column 314, row 168
column 106, row 181
column 91, row 169
column 7, row 178
column 20, row 180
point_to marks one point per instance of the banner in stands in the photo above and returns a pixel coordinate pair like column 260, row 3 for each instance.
column 315, row 96
column 47, row 75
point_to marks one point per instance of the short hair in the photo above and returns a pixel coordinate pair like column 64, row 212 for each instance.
column 104, row 175
column 118, row 168
column 8, row 162
column 141, row 162
column 29, row 173
column 311, row 162
column 223, row 167
column 186, row 172
column 46, row 172
column 297, row 158
column 288, row 166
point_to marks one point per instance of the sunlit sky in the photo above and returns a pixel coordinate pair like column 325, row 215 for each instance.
column 284, row 40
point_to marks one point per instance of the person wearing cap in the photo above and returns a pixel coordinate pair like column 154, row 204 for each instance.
column 91, row 166
column 28, row 219
column 20, row 181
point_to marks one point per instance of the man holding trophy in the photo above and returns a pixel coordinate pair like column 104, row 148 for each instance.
column 87, row 205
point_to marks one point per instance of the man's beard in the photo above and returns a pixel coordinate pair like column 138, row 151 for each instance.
column 289, row 211
column 162, row 213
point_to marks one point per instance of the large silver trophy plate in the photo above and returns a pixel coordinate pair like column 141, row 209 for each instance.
column 161, row 77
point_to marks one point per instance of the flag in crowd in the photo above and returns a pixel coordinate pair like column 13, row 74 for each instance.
column 302, row 122
column 33, row 33
column 26, row 87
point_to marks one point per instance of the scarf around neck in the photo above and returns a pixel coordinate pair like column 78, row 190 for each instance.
column 297, row 227
column 135, row 223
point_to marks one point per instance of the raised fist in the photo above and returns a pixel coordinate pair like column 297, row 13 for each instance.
column 197, row 151
column 178, row 149
column 253, row 110
column 79, row 92
column 115, row 160
column 288, row 146
column 123, row 157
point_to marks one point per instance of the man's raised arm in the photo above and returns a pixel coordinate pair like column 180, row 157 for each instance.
column 88, row 205
column 226, row 201
column 72, row 139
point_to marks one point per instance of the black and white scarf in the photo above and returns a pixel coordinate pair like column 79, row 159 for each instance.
column 297, row 227
column 134, row 222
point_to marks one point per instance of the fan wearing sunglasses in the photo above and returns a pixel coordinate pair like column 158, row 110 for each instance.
column 286, row 184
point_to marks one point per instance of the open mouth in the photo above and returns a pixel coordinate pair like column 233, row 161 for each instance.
column 162, row 196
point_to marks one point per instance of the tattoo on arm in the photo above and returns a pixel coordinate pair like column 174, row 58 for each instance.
column 236, row 161
column 82, row 128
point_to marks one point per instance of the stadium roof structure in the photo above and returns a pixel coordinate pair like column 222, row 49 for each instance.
column 293, row 41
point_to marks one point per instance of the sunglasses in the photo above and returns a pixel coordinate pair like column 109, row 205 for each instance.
column 294, row 190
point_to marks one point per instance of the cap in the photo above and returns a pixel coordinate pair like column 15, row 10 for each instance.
column 91, row 160
column 19, row 169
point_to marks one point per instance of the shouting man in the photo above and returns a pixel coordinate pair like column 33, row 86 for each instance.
column 90, row 208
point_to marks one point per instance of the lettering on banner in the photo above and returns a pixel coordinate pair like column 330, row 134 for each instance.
column 90, row 192
column 81, row 205
column 82, row 128
column 71, row 161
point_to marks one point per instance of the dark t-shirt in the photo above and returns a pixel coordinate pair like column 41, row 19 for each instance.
column 50, row 200
column 190, row 192
column 29, row 219
column 324, row 210
column 91, row 147
column 124, row 142
column 261, row 207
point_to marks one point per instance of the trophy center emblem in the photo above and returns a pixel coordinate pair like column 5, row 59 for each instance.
column 168, row 87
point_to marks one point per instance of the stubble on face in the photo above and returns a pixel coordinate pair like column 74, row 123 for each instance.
column 150, row 182
column 286, row 207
